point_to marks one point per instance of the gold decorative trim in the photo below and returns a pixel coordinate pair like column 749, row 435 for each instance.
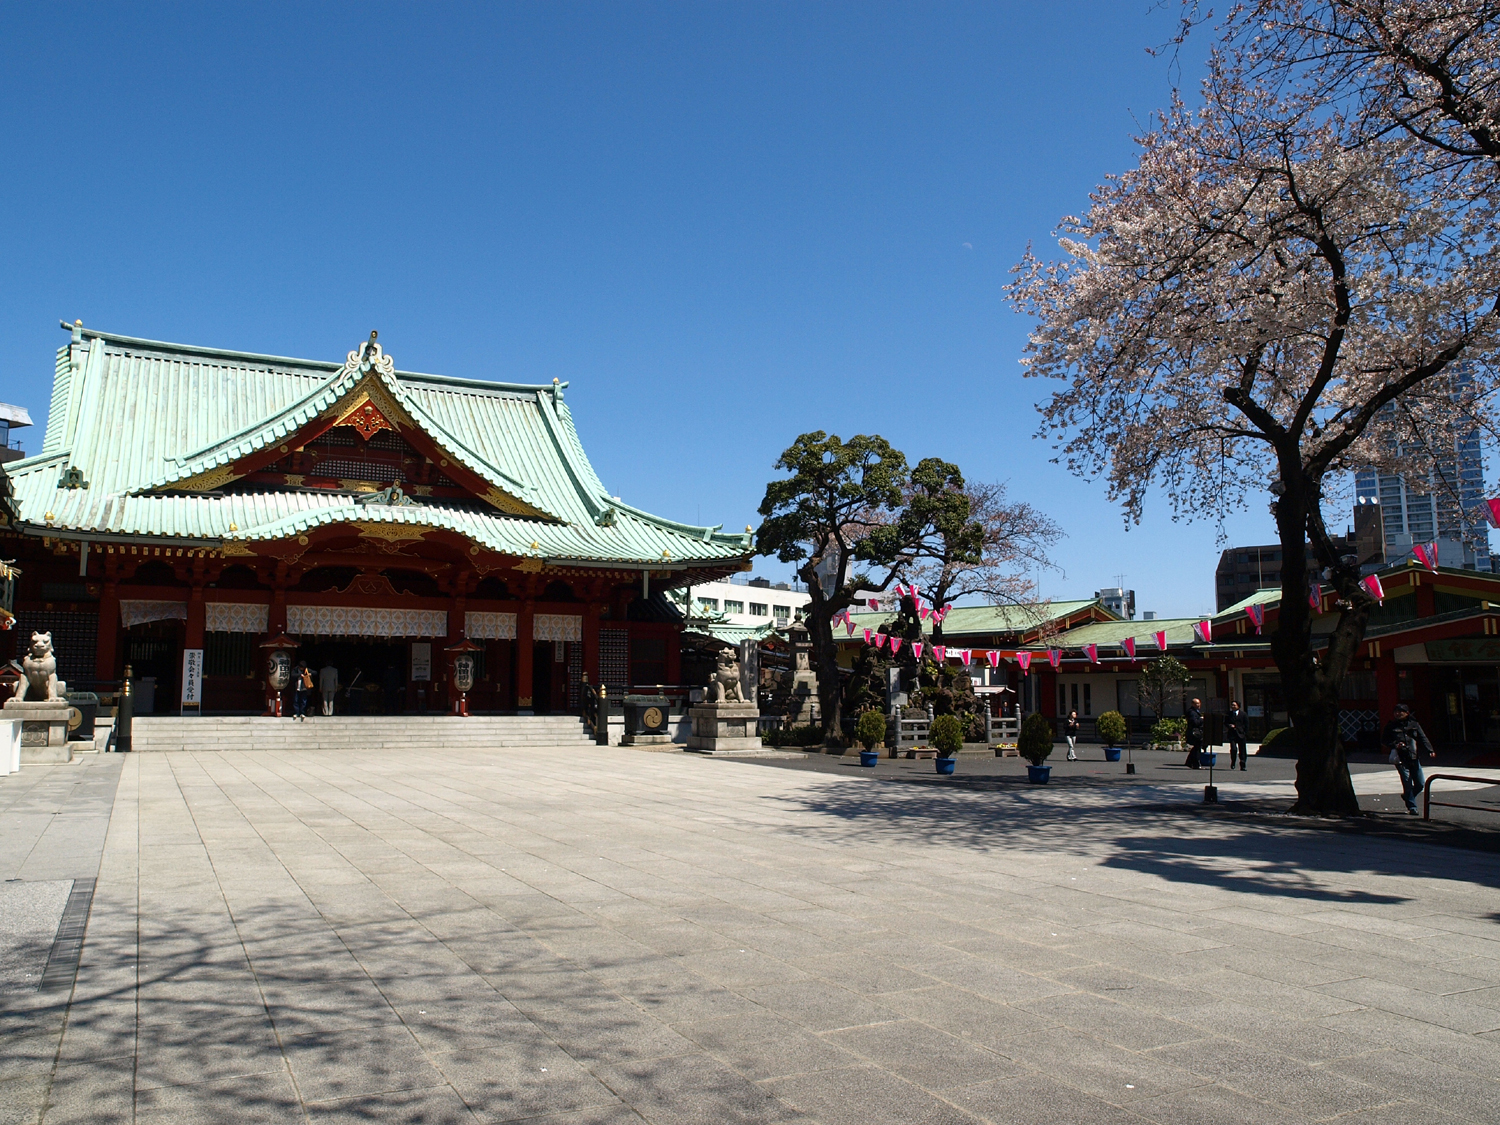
column 391, row 532
column 236, row 549
column 209, row 479
column 529, row 566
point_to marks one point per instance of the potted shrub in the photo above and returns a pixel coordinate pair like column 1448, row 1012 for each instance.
column 1111, row 727
column 946, row 737
column 1166, row 734
column 1036, row 747
column 869, row 732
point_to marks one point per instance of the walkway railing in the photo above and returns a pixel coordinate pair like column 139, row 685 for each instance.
column 1428, row 802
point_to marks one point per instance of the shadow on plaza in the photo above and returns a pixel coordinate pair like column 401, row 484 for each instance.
column 1160, row 833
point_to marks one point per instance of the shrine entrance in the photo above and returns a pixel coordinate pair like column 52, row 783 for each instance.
column 372, row 673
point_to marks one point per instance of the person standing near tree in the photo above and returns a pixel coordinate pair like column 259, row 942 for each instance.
column 1195, row 734
column 1234, row 733
column 1070, row 732
column 1402, row 736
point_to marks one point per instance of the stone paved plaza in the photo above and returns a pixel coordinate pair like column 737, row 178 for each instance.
column 613, row 936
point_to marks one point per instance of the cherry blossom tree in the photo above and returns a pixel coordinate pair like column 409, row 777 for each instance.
column 1291, row 283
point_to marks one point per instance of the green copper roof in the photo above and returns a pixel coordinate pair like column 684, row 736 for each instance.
column 1111, row 634
column 138, row 419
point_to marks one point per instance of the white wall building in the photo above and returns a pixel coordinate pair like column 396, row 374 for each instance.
column 747, row 601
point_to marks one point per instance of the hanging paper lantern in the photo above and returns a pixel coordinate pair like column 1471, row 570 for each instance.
column 1257, row 614
column 1371, row 585
column 1093, row 653
column 1128, row 644
column 916, row 649
column 941, row 652
column 1054, row 657
column 1024, row 660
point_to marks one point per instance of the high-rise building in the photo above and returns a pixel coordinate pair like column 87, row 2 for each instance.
column 1244, row 570
column 1445, row 508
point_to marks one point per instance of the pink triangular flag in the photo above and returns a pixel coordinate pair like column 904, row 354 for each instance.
column 850, row 624
column 1492, row 510
column 1257, row 614
column 874, row 603
column 1315, row 596
column 1129, row 645
column 895, row 644
column 965, row 655
column 1372, row 586
column 868, row 639
column 1161, row 639
column 1427, row 555
column 916, row 649
column 994, row 658
column 1054, row 656
column 1204, row 631
column 941, row 652
column 1024, row 660
column 1093, row 653
column 912, row 590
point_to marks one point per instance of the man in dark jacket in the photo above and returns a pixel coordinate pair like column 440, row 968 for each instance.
column 1195, row 734
column 1234, row 733
column 1404, row 736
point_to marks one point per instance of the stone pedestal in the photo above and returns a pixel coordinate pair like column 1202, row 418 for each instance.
column 44, row 730
column 664, row 740
column 724, row 727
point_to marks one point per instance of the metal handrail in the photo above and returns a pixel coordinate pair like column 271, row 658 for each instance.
column 1428, row 802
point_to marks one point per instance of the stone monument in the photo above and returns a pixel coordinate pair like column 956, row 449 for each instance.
column 802, row 708
column 41, row 705
column 726, row 721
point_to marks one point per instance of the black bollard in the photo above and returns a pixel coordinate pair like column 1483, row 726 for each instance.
column 122, row 716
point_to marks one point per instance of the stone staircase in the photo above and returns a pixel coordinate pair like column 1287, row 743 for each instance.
column 357, row 732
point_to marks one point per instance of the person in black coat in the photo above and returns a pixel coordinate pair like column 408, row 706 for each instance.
column 1234, row 732
column 1196, row 737
column 1403, row 735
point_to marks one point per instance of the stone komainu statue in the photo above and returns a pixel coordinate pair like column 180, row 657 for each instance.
column 40, row 665
column 725, row 686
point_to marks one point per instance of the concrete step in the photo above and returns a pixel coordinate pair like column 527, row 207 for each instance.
column 356, row 732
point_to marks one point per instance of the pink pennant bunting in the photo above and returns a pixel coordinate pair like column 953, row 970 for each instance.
column 912, row 590
column 926, row 613
column 916, row 649
column 965, row 655
column 850, row 624
column 868, row 639
column 1024, row 660
column 941, row 652
column 1205, row 631
column 1257, row 614
column 1093, row 653
column 895, row 644
column 1129, row 646
column 874, row 603
column 1492, row 511
column 1161, row 639
column 1371, row 585
column 1427, row 555
column 994, row 658
column 1054, row 656
column 1315, row 596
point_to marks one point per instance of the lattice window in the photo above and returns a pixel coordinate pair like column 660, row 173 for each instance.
column 229, row 654
column 75, row 640
column 614, row 659
column 357, row 470
column 575, row 675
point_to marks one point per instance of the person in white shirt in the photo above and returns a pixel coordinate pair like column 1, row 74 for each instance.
column 328, row 686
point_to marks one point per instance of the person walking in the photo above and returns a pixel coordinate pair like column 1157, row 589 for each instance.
column 1070, row 732
column 1402, row 736
column 1195, row 734
column 302, row 691
column 328, row 686
column 1234, row 733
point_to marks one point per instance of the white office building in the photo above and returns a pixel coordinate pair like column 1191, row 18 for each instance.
column 747, row 601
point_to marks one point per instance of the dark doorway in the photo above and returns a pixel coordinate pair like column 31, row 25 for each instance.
column 541, row 678
column 154, row 651
column 372, row 674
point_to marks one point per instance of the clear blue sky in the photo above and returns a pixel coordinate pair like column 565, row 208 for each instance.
column 725, row 224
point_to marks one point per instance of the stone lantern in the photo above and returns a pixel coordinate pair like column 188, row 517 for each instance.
column 279, row 651
column 462, row 657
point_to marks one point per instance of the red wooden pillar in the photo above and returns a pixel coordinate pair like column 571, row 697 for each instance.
column 109, row 631
column 525, row 653
column 193, row 635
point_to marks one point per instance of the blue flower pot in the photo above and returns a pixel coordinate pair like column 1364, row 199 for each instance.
column 945, row 765
column 869, row 757
column 1208, row 759
column 1111, row 753
column 1038, row 775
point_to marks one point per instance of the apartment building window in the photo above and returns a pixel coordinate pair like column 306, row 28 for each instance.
column 709, row 603
column 783, row 614
column 758, row 609
column 733, row 607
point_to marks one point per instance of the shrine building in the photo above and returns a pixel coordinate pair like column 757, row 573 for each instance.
column 192, row 504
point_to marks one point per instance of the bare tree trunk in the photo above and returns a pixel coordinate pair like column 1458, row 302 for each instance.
column 1323, row 784
column 825, row 658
